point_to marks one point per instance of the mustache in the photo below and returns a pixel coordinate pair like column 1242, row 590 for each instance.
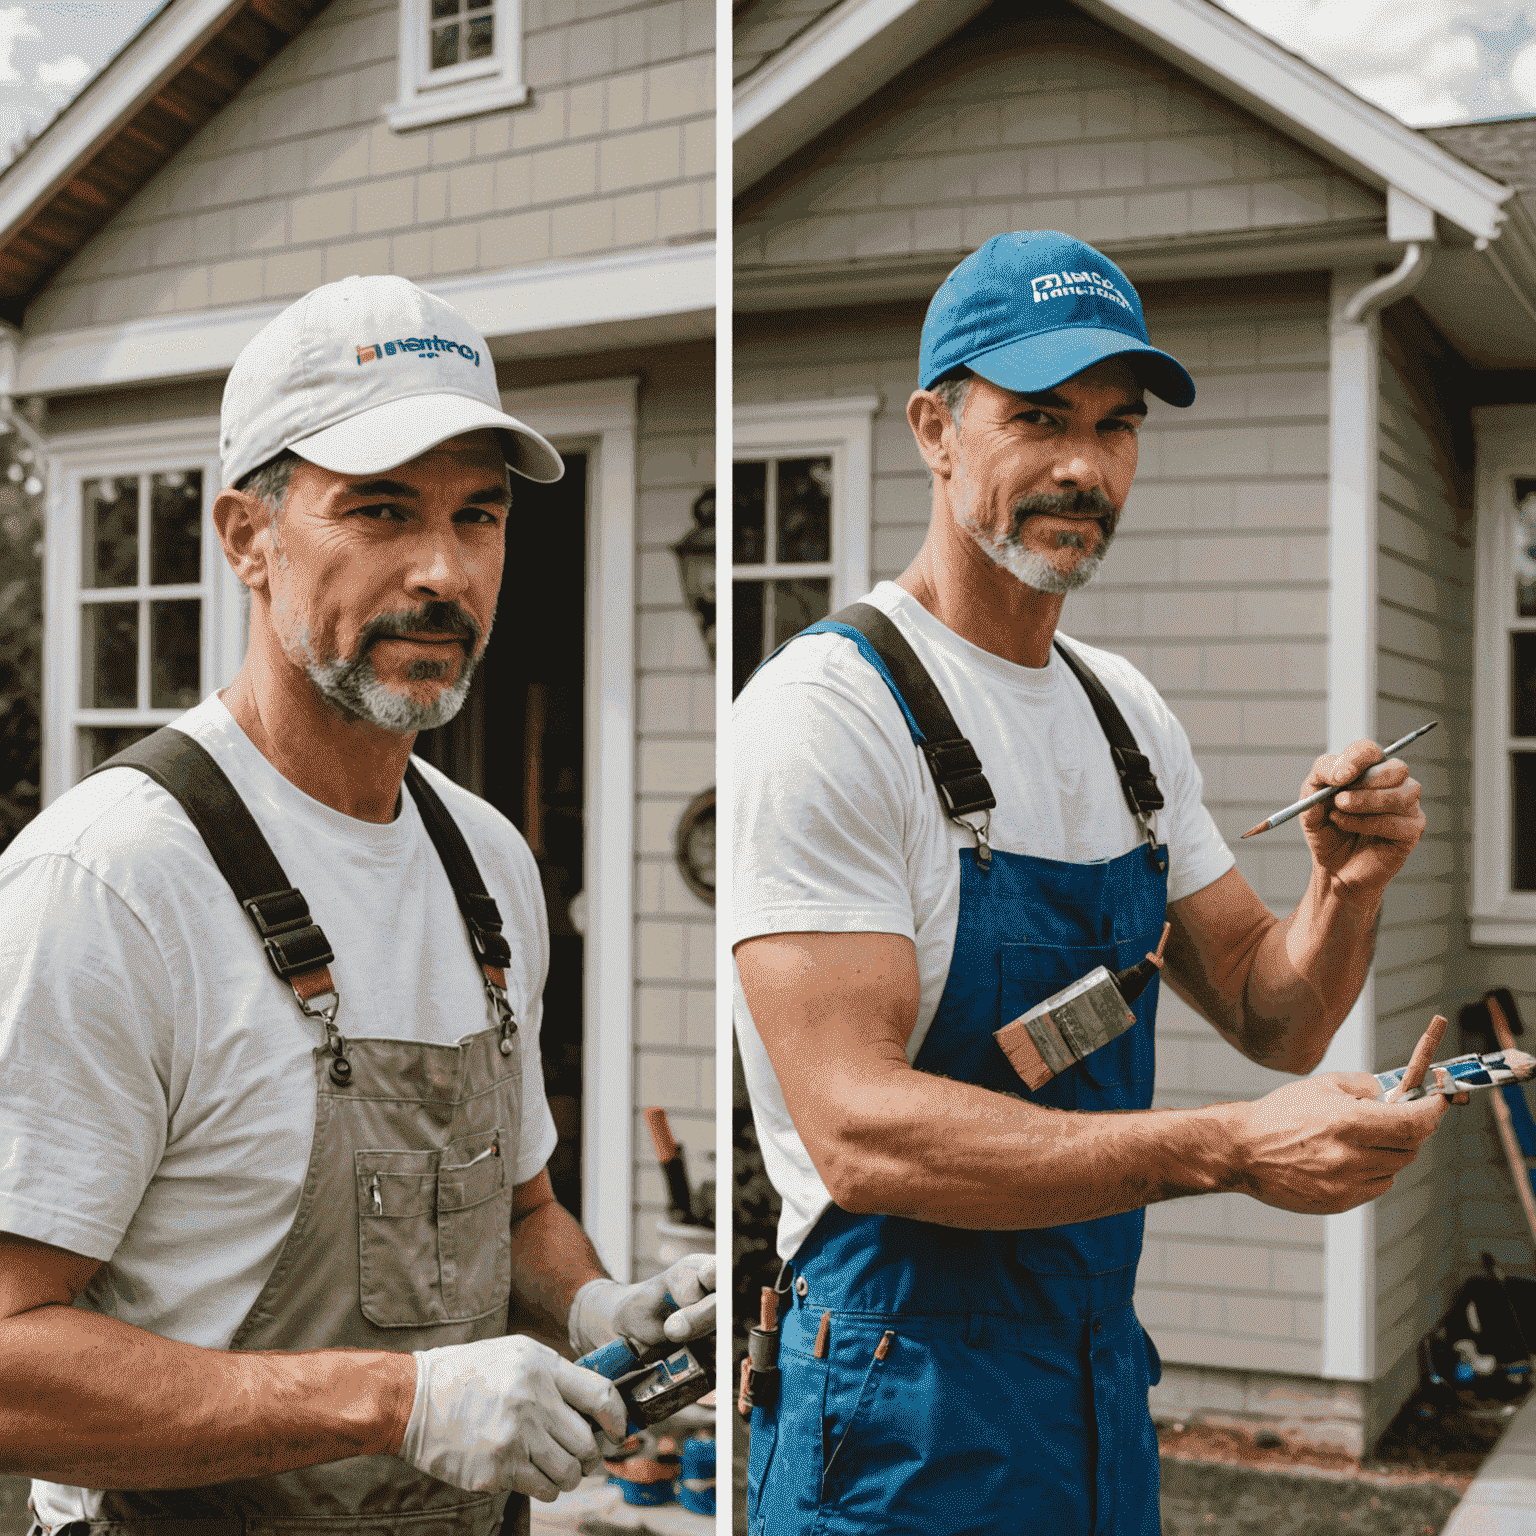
column 1090, row 504
column 436, row 618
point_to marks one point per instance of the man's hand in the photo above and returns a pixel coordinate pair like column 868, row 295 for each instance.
column 670, row 1307
column 1365, row 836
column 1327, row 1143
column 507, row 1413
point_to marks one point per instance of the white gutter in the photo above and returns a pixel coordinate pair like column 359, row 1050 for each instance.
column 1354, row 377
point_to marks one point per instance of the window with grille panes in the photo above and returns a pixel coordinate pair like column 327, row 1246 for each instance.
column 781, row 578
column 1503, row 844
column 800, row 521
column 145, row 617
column 457, row 58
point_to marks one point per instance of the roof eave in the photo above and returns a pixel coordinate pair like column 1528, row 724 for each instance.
column 169, row 40
column 816, row 80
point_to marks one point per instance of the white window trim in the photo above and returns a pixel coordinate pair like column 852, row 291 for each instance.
column 484, row 85
column 82, row 456
column 599, row 419
column 844, row 428
column 1505, row 438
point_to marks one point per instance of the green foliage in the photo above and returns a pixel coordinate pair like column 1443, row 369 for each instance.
column 21, row 642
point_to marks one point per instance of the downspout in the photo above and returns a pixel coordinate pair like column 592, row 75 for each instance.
column 1354, row 374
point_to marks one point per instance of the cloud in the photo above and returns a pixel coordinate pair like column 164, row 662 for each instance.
column 1432, row 61
column 60, row 80
column 14, row 28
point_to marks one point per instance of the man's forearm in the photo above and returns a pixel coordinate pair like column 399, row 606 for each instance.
column 90, row 1401
column 1305, row 977
column 552, row 1258
column 938, row 1150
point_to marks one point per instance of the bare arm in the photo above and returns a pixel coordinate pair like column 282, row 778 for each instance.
column 88, row 1400
column 834, row 1012
column 1278, row 988
column 552, row 1258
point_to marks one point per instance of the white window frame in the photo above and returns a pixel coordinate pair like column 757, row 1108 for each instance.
column 72, row 460
column 463, row 90
column 843, row 428
column 599, row 418
column 1506, row 449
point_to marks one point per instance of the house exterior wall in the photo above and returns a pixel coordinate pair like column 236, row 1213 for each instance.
column 300, row 181
column 1051, row 122
column 1217, row 590
column 1423, row 964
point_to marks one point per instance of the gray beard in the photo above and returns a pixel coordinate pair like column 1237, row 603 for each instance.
column 1031, row 567
column 356, row 690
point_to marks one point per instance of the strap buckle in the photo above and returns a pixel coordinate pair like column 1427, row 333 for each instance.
column 505, row 1018
column 981, row 830
column 315, row 1009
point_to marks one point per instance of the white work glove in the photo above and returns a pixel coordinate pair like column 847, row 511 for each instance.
column 604, row 1310
column 507, row 1413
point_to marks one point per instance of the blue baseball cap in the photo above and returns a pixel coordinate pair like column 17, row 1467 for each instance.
column 1031, row 309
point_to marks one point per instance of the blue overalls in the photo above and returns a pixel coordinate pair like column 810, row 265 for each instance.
column 981, row 1381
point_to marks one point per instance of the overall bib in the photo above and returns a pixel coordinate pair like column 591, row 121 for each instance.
column 981, row 1381
column 402, row 1238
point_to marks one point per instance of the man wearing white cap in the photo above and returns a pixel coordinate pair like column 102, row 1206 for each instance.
column 273, row 1134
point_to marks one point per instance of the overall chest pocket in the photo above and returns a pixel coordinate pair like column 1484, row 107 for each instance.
column 434, row 1232
column 1117, row 1075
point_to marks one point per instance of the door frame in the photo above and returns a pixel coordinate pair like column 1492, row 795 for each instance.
column 598, row 418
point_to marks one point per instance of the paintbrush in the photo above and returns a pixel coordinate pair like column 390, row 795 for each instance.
column 1327, row 793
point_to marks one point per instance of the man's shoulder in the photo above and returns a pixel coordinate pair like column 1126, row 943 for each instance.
column 105, row 824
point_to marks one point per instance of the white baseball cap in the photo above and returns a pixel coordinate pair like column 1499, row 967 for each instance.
column 364, row 374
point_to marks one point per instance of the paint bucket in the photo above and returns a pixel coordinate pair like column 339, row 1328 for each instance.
column 696, row 1485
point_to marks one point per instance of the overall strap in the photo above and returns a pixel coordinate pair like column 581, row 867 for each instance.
column 1137, row 781
column 296, row 948
column 481, row 915
column 951, row 759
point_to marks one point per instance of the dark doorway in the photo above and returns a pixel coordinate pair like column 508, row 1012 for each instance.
column 519, row 742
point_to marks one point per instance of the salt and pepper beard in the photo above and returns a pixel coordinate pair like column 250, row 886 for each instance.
column 353, row 686
column 1029, row 565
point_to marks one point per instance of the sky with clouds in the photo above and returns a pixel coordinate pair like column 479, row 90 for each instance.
column 49, row 49
column 1427, row 61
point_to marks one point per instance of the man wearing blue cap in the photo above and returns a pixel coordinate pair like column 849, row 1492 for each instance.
column 946, row 815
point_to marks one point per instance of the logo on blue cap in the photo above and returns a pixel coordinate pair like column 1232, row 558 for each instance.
column 1030, row 310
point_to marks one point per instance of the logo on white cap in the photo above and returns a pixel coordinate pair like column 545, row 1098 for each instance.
column 365, row 374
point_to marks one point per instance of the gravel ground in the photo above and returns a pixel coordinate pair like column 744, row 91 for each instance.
column 14, row 1519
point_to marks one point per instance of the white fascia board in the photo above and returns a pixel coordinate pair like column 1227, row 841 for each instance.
column 608, row 290
column 1243, row 65
column 159, row 52
column 833, row 65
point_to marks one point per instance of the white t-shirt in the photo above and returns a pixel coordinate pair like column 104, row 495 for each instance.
column 157, row 1097
column 838, row 828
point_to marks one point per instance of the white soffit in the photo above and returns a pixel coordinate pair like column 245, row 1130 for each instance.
column 153, row 56
column 609, row 291
column 841, row 60
column 1209, row 43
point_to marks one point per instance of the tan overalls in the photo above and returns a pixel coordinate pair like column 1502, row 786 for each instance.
column 402, row 1239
